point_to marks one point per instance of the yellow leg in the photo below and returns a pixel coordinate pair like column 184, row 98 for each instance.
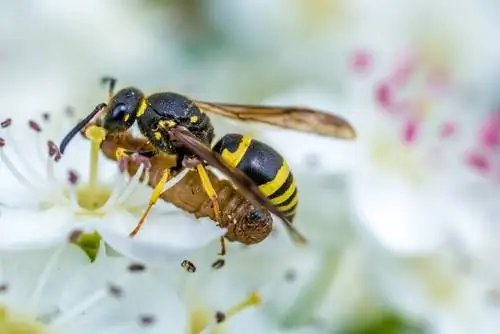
column 209, row 189
column 152, row 201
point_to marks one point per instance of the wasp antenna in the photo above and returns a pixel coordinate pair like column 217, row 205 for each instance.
column 111, row 82
column 65, row 141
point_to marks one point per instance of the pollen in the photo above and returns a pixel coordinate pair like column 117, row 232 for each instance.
column 193, row 119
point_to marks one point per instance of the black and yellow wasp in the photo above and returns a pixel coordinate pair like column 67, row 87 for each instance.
column 177, row 125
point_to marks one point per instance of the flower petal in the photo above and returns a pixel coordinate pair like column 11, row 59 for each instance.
column 163, row 237
column 114, row 295
column 30, row 229
column 32, row 280
column 397, row 215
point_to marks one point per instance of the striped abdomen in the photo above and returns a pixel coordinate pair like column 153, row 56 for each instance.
column 264, row 166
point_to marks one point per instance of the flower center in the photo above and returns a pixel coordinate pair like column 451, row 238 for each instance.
column 92, row 198
column 200, row 321
column 87, row 198
column 18, row 325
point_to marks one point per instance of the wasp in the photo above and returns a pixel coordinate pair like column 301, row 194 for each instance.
column 175, row 125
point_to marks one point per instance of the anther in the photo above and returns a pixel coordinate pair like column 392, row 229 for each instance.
column 72, row 177
column 136, row 267
column 252, row 300
column 34, row 126
column 4, row 288
column 46, row 116
column 115, row 291
column 188, row 266
column 6, row 123
column 54, row 151
column 123, row 165
column 69, row 111
column 220, row 317
column 290, row 275
column 218, row 264
column 74, row 235
column 147, row 320
column 2, row 142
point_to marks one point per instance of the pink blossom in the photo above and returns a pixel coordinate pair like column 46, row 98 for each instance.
column 490, row 131
column 448, row 129
column 411, row 130
column 478, row 161
column 362, row 61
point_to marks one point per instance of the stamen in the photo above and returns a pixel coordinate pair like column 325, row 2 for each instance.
column 54, row 151
column 220, row 317
column 6, row 123
column 72, row 177
column 252, row 300
column 54, row 155
column 188, row 266
column 81, row 307
column 96, row 135
column 69, row 111
column 219, row 263
column 128, row 190
column 146, row 320
column 115, row 290
column 12, row 168
column 119, row 186
column 44, row 277
column 33, row 173
column 34, row 126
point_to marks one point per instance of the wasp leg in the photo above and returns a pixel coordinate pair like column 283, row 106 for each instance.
column 209, row 189
column 152, row 201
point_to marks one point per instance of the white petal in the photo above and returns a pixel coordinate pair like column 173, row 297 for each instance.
column 142, row 294
column 163, row 237
column 400, row 217
column 24, row 229
column 34, row 278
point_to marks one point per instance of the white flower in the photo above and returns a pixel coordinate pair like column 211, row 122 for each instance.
column 438, row 291
column 413, row 128
column 47, row 197
column 58, row 55
column 247, row 294
column 58, row 291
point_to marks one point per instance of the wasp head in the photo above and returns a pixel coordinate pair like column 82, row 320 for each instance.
column 123, row 107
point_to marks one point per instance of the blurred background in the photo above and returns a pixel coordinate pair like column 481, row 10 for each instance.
column 403, row 223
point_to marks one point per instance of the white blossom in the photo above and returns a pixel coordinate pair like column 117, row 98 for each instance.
column 58, row 291
column 47, row 196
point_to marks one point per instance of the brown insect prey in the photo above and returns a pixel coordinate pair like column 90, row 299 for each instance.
column 244, row 223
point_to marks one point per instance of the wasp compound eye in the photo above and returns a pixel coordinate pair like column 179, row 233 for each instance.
column 119, row 112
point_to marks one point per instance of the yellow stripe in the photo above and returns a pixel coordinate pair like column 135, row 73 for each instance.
column 289, row 205
column 285, row 196
column 233, row 159
column 142, row 108
column 291, row 213
column 270, row 187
